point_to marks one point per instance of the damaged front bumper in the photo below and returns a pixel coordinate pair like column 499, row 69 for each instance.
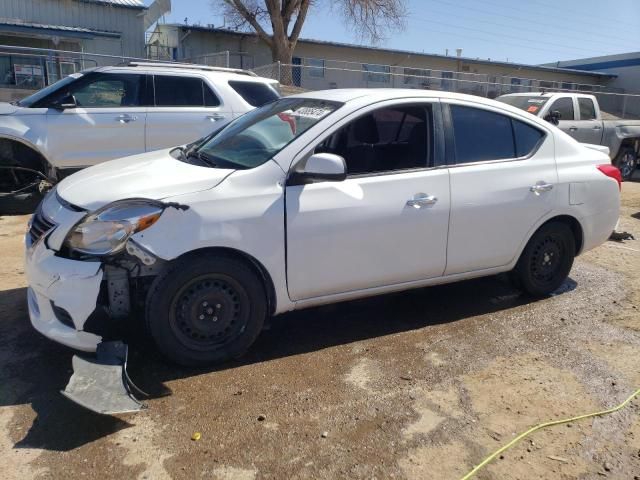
column 62, row 295
column 102, row 385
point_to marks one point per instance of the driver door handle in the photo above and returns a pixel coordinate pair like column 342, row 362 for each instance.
column 126, row 118
column 573, row 129
column 420, row 200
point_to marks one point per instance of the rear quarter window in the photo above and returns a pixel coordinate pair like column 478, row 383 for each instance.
column 527, row 138
column 254, row 93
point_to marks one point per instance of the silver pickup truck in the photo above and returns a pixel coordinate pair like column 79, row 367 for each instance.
column 579, row 115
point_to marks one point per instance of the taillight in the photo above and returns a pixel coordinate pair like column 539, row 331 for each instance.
column 613, row 172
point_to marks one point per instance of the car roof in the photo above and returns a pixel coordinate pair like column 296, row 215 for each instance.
column 214, row 73
column 545, row 94
column 345, row 95
column 530, row 94
column 373, row 95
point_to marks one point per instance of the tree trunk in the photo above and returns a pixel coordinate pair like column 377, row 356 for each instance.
column 282, row 52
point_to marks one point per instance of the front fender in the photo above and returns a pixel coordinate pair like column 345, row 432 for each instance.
column 244, row 213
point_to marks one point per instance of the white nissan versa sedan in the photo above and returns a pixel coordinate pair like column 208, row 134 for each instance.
column 309, row 200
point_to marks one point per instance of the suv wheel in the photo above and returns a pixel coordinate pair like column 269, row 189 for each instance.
column 205, row 310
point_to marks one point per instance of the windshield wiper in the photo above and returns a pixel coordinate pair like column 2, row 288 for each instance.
column 202, row 156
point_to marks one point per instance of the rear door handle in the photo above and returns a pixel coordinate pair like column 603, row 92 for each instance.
column 573, row 129
column 420, row 200
column 541, row 187
column 597, row 127
column 126, row 118
column 215, row 117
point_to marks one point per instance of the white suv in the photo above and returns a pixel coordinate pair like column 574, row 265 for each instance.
column 112, row 112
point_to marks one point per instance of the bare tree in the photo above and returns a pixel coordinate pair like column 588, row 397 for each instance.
column 278, row 23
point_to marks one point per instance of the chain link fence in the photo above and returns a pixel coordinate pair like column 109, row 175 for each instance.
column 217, row 59
column 315, row 74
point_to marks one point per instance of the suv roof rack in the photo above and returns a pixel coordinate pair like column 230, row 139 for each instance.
column 192, row 66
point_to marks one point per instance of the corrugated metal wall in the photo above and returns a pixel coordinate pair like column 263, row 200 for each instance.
column 127, row 21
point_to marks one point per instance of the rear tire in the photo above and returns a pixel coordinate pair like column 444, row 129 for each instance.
column 547, row 259
column 205, row 310
column 626, row 162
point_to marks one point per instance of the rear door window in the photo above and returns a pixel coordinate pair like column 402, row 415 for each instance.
column 564, row 105
column 254, row 93
column 175, row 91
column 482, row 135
column 587, row 109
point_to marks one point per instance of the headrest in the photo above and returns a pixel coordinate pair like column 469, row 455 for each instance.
column 365, row 130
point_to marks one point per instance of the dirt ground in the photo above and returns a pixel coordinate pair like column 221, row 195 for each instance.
column 418, row 385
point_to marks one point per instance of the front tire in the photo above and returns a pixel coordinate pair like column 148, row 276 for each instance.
column 205, row 310
column 547, row 259
column 626, row 162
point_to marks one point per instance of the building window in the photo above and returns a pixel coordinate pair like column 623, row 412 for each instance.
column 416, row 76
column 568, row 86
column 376, row 73
column 315, row 67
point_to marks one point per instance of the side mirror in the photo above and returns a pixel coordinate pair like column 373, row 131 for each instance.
column 68, row 101
column 319, row 167
column 553, row 117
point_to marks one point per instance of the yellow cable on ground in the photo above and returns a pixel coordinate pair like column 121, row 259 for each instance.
column 544, row 425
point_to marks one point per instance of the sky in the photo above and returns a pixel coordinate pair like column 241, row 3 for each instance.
column 524, row 31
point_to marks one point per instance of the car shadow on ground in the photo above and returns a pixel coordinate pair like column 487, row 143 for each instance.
column 35, row 369
column 317, row 328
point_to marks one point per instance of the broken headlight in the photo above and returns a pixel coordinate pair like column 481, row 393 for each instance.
column 106, row 231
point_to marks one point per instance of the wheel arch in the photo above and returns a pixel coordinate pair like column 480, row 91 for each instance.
column 622, row 141
column 572, row 222
column 249, row 260
column 43, row 162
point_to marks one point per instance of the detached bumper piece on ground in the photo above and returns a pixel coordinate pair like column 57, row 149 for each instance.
column 102, row 384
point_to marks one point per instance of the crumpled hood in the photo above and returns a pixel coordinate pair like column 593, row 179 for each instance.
column 7, row 108
column 154, row 175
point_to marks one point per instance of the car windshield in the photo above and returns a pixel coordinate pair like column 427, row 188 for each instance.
column 257, row 136
column 524, row 102
column 40, row 94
